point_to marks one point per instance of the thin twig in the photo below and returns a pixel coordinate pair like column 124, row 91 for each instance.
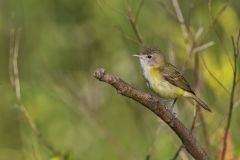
column 238, row 81
column 225, row 116
column 187, row 34
column 177, row 152
column 195, row 50
column 205, row 131
column 15, row 36
column 199, row 33
column 181, row 19
column 219, row 13
column 213, row 20
column 197, row 111
column 198, row 87
column 213, row 76
column 150, row 148
column 128, row 37
column 231, row 103
column 203, row 47
column 191, row 50
column 191, row 130
column 15, row 66
column 11, row 52
column 132, row 21
column 141, row 2
column 169, row 11
column 152, row 103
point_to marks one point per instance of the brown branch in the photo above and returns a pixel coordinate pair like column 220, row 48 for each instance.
column 231, row 103
column 191, row 130
column 192, row 49
column 152, row 103
column 197, row 111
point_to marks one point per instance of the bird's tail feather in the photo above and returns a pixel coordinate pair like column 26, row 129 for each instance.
column 201, row 103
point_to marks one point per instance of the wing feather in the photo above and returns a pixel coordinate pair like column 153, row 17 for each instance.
column 173, row 76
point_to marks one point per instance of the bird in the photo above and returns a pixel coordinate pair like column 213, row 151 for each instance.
column 164, row 78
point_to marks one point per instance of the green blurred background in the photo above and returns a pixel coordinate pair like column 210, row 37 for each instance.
column 62, row 42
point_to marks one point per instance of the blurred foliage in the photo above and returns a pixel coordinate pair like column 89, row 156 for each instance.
column 63, row 41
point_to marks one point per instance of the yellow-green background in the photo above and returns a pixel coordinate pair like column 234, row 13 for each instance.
column 62, row 43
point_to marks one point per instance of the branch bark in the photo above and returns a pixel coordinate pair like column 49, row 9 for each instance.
column 152, row 103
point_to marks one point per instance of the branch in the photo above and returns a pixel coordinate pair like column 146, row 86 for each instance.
column 205, row 132
column 213, row 76
column 231, row 103
column 152, row 103
column 203, row 47
column 169, row 11
column 213, row 20
column 181, row 19
column 150, row 148
column 197, row 111
column 15, row 36
column 192, row 128
column 139, row 10
column 193, row 48
column 132, row 21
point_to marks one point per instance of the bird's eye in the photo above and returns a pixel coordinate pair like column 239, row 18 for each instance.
column 149, row 56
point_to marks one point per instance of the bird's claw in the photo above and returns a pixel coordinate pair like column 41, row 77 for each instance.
column 174, row 114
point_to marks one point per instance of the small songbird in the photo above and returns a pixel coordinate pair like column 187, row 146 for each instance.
column 164, row 78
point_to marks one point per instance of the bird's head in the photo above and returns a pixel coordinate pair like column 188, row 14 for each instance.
column 151, row 57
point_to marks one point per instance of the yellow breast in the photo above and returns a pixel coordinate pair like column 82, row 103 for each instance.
column 161, row 86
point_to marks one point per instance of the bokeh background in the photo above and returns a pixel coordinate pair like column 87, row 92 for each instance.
column 62, row 42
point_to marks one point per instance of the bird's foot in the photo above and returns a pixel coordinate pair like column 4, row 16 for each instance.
column 172, row 107
column 174, row 114
column 173, row 104
column 172, row 111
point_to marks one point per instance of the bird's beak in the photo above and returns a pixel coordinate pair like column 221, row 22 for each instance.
column 137, row 55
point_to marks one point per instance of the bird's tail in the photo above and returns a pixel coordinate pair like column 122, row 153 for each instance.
column 201, row 103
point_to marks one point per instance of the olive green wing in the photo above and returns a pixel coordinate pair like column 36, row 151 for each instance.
column 171, row 74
